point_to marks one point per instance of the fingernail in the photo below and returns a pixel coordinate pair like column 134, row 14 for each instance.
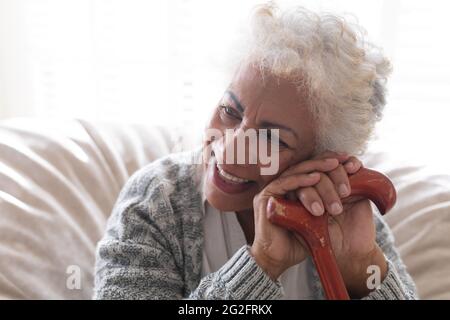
column 343, row 189
column 317, row 209
column 335, row 208
column 349, row 165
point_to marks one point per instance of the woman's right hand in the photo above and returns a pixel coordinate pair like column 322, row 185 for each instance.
column 276, row 249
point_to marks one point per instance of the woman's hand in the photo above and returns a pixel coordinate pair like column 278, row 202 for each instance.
column 352, row 236
column 274, row 248
column 319, row 184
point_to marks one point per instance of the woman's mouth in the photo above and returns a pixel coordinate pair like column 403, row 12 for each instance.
column 229, row 183
column 229, row 177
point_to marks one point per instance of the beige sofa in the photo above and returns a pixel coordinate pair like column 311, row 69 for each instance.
column 59, row 181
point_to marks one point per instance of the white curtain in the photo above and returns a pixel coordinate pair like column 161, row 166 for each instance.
column 161, row 61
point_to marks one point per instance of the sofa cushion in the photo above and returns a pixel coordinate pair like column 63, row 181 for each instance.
column 58, row 183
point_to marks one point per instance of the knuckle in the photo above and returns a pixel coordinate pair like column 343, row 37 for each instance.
column 278, row 182
column 327, row 190
column 340, row 175
column 324, row 178
column 354, row 159
column 302, row 194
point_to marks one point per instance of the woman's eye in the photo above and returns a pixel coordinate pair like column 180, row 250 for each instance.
column 229, row 111
column 280, row 142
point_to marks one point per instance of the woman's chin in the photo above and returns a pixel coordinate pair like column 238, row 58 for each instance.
column 227, row 203
column 222, row 206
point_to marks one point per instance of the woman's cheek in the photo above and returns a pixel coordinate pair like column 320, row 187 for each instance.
column 266, row 179
column 285, row 161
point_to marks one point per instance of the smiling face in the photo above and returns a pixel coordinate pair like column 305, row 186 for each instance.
column 251, row 103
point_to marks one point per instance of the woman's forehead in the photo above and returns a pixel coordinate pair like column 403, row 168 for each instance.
column 272, row 95
column 249, row 82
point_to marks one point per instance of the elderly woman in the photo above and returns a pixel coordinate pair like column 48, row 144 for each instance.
column 181, row 229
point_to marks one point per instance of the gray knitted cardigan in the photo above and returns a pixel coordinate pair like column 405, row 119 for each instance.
column 152, row 248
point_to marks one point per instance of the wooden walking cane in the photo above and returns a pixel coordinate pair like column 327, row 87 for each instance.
column 293, row 216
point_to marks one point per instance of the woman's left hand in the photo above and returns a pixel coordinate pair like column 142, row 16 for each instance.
column 353, row 235
column 352, row 230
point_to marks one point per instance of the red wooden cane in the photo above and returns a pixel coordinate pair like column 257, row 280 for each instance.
column 293, row 216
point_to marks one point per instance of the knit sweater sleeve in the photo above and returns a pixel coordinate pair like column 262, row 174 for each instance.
column 138, row 258
column 398, row 284
column 240, row 278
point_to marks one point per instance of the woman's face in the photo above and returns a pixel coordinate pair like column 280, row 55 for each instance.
column 251, row 104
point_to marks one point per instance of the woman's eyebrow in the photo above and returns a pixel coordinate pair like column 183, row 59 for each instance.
column 270, row 125
column 264, row 124
column 235, row 100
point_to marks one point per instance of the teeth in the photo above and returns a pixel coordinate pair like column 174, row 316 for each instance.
column 230, row 177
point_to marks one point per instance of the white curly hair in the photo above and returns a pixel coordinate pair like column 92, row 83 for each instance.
column 344, row 75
